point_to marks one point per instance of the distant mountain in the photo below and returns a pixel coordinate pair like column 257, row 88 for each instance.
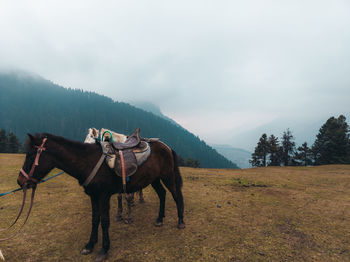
column 239, row 156
column 303, row 130
column 30, row 104
column 154, row 109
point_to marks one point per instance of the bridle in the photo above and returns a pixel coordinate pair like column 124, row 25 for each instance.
column 29, row 177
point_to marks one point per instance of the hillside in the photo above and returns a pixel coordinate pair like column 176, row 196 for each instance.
column 30, row 104
column 255, row 214
column 152, row 108
column 239, row 156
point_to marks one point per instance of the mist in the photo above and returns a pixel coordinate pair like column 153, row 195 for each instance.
column 220, row 69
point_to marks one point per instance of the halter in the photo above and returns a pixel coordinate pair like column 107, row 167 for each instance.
column 29, row 176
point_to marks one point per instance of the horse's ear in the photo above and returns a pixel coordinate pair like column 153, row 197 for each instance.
column 30, row 137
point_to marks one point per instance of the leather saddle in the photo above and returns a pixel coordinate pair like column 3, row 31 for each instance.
column 125, row 157
column 131, row 141
column 126, row 161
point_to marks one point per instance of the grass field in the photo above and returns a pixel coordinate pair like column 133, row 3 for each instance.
column 258, row 214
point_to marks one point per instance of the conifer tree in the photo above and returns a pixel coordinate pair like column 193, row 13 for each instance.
column 3, row 141
column 288, row 148
column 274, row 151
column 259, row 157
column 332, row 142
column 190, row 162
column 303, row 156
column 13, row 143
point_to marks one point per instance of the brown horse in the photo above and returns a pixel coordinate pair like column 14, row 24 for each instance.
column 47, row 151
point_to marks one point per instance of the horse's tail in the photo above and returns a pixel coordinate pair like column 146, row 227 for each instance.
column 178, row 178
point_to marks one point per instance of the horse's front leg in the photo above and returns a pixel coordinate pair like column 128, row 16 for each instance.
column 104, row 212
column 94, row 227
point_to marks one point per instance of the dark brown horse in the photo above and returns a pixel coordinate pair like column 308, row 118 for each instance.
column 79, row 159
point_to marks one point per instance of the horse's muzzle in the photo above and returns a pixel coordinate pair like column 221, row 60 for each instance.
column 23, row 183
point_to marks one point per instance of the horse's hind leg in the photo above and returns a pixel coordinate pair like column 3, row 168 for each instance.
column 119, row 216
column 157, row 186
column 131, row 197
column 130, row 201
column 142, row 200
column 176, row 192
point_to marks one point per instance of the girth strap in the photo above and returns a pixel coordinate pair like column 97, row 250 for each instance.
column 94, row 171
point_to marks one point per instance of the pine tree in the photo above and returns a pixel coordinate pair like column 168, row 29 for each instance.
column 3, row 141
column 259, row 157
column 288, row 148
column 303, row 155
column 13, row 143
column 332, row 142
column 274, row 151
column 190, row 162
column 180, row 160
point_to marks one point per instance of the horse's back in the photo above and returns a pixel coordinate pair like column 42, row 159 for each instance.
column 162, row 155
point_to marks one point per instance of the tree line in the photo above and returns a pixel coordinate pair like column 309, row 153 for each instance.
column 332, row 146
column 9, row 143
column 42, row 106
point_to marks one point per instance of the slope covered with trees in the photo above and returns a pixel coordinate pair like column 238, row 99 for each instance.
column 332, row 146
column 30, row 104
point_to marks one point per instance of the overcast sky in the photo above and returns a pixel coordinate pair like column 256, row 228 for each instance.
column 213, row 66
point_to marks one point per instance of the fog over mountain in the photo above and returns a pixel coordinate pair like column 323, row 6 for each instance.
column 221, row 69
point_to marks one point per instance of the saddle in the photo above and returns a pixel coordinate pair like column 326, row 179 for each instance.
column 129, row 154
column 124, row 154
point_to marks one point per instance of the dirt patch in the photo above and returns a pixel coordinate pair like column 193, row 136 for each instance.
column 243, row 182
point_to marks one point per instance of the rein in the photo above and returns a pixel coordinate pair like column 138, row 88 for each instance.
column 23, row 203
column 29, row 178
column 20, row 188
column 26, row 219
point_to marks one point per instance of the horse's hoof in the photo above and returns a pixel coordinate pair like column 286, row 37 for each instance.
column 85, row 251
column 102, row 256
column 118, row 218
column 158, row 224
column 181, row 225
column 128, row 221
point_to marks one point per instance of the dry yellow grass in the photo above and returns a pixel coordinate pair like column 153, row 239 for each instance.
column 260, row 214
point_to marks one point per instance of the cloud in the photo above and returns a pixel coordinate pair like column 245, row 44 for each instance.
column 201, row 61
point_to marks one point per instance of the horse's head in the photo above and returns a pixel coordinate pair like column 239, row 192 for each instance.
column 38, row 162
column 91, row 136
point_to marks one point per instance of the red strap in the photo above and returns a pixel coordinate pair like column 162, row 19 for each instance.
column 29, row 176
column 123, row 169
column 40, row 149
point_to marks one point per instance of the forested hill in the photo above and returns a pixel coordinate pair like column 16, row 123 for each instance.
column 30, row 104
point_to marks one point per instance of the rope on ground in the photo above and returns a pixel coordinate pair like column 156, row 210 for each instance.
column 42, row 181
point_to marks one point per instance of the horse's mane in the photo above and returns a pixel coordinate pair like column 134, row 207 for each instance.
column 58, row 139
